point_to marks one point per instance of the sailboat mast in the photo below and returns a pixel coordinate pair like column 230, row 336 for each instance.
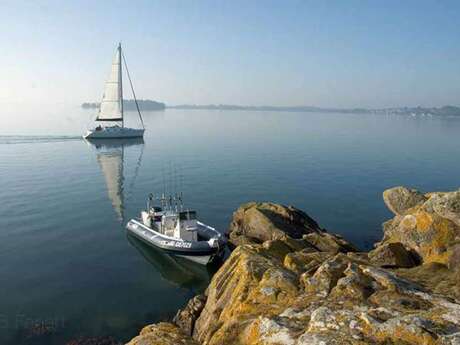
column 120, row 76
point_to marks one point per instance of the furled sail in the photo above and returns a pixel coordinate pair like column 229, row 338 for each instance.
column 112, row 101
column 111, row 163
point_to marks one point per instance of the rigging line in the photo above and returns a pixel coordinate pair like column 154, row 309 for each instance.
column 136, row 172
column 132, row 89
column 121, row 185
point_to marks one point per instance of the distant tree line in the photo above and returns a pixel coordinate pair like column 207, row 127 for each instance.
column 146, row 104
column 415, row 111
column 129, row 104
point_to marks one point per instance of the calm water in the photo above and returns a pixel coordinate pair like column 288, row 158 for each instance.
column 68, row 265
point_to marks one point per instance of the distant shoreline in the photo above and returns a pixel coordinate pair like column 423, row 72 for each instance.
column 410, row 111
column 144, row 104
column 415, row 111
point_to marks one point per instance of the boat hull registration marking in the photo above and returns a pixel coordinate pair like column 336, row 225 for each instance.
column 177, row 244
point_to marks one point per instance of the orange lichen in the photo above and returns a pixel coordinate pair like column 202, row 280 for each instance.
column 424, row 221
column 409, row 222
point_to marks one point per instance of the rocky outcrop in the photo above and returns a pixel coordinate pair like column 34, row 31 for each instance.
column 335, row 299
column 447, row 205
column 326, row 242
column 426, row 225
column 185, row 318
column 400, row 199
column 259, row 222
column 434, row 277
column 297, row 284
column 162, row 334
column 392, row 255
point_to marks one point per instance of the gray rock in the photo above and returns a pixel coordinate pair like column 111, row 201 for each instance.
column 391, row 255
column 185, row 318
column 448, row 206
column 259, row 222
column 454, row 260
column 400, row 199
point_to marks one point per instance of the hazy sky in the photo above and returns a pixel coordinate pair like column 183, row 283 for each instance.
column 324, row 53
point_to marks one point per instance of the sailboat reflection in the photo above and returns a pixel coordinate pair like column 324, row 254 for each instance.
column 179, row 271
column 110, row 156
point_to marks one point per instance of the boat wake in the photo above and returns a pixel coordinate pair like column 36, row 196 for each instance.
column 35, row 139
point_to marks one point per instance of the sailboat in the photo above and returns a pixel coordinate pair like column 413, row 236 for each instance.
column 111, row 109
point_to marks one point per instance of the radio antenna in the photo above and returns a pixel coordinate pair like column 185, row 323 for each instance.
column 164, row 179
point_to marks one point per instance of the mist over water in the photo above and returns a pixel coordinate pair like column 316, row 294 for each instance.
column 66, row 258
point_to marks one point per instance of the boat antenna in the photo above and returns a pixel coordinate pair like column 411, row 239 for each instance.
column 175, row 179
column 180, row 201
column 170, row 179
column 132, row 88
column 149, row 200
column 164, row 179
column 163, row 201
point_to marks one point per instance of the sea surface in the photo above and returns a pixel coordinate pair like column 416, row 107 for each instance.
column 68, row 268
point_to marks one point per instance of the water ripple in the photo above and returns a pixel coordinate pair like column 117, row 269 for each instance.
column 35, row 139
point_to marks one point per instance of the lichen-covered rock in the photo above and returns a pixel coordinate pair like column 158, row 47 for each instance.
column 454, row 260
column 295, row 284
column 392, row 255
column 305, row 260
column 400, row 199
column 326, row 242
column 326, row 276
column 185, row 318
column 250, row 282
column 259, row 222
column 428, row 229
column 255, row 223
column 256, row 299
column 277, row 248
column 447, row 205
column 434, row 277
column 162, row 334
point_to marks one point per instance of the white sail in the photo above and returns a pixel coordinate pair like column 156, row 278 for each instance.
column 112, row 168
column 112, row 101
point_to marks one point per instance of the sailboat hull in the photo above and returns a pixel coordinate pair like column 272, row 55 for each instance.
column 114, row 133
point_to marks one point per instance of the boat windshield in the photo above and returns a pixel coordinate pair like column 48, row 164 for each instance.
column 187, row 215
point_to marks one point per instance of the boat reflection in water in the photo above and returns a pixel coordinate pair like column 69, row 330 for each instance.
column 179, row 271
column 110, row 156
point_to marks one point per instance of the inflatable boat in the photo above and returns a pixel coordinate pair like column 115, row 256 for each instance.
column 177, row 231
